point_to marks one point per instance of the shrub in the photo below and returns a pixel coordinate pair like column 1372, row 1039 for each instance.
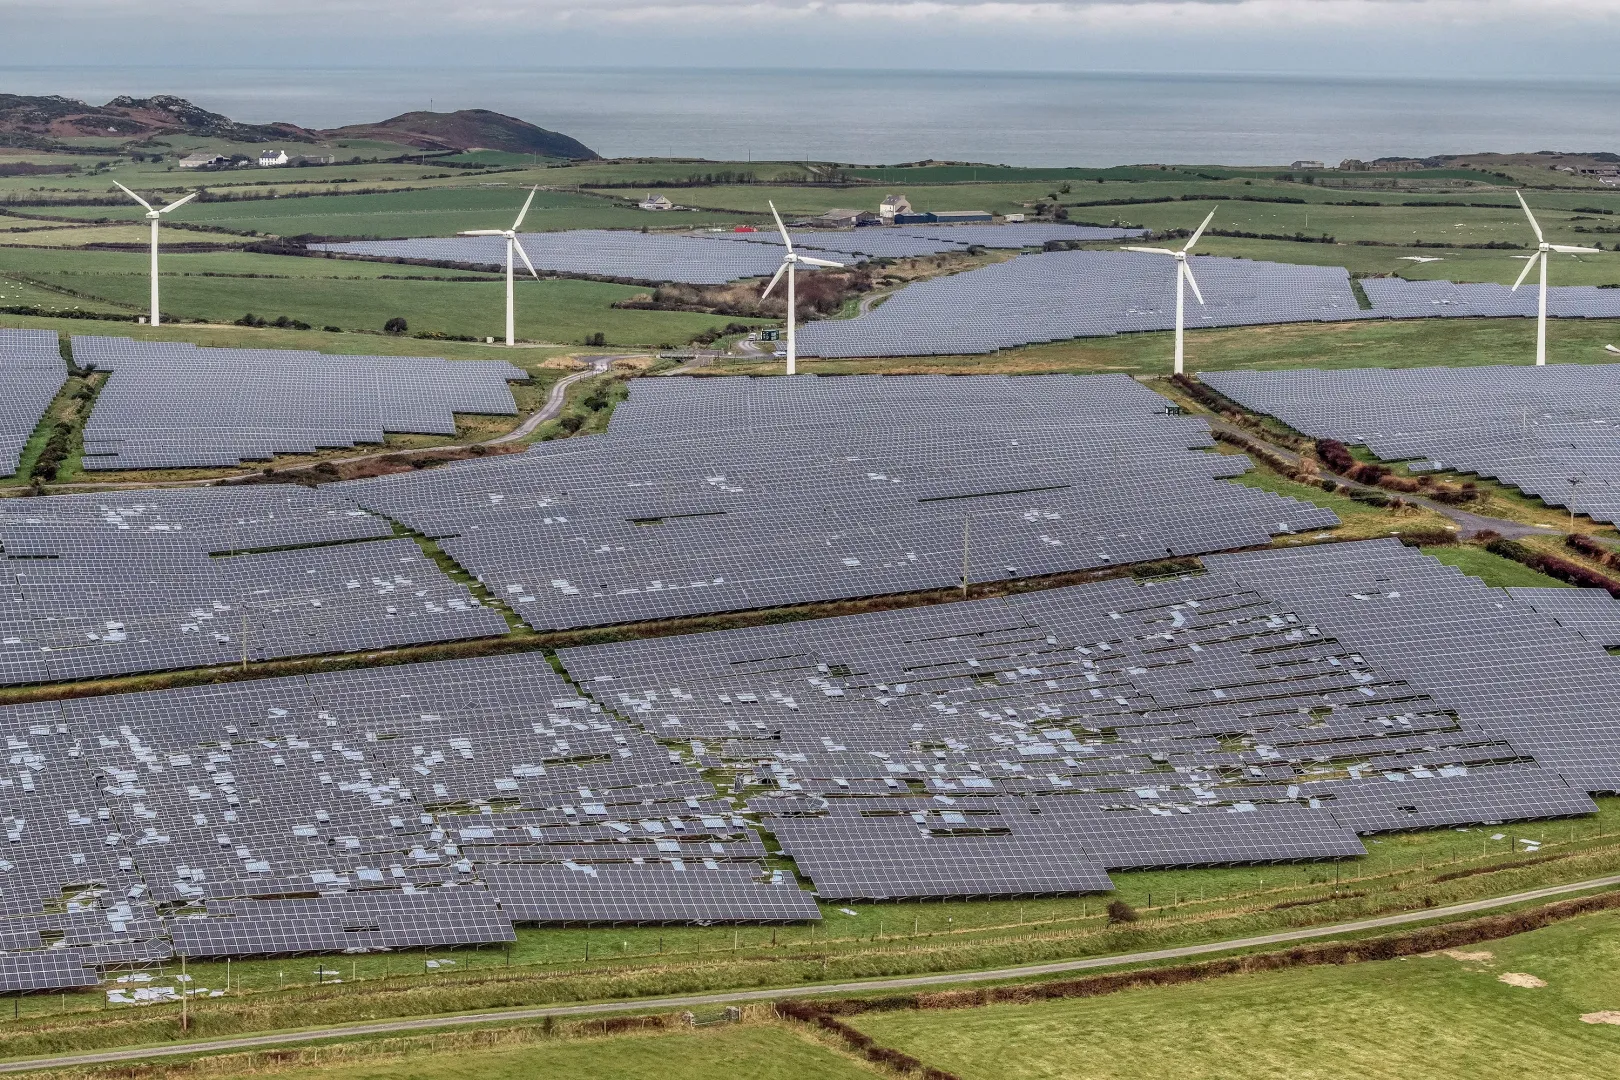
column 571, row 423
column 333, row 329
column 1120, row 912
column 597, row 338
column 396, row 325
column 1335, row 455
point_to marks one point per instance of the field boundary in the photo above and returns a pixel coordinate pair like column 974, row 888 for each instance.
column 774, row 994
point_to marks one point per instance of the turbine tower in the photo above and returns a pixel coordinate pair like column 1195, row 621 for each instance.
column 789, row 261
column 511, row 246
column 153, row 216
column 1184, row 277
column 1542, row 248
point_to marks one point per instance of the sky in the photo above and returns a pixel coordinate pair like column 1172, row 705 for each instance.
column 1494, row 39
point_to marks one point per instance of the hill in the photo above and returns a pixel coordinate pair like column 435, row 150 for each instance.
column 468, row 129
column 54, row 117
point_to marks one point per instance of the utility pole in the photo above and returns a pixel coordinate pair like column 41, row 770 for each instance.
column 185, row 997
column 965, row 521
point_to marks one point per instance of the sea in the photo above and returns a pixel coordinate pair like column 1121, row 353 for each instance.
column 1042, row 119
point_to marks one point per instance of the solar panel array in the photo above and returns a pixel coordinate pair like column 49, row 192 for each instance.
column 1591, row 613
column 1057, row 295
column 31, row 374
column 174, row 405
column 1397, row 298
column 710, row 258
column 348, row 812
column 95, row 585
column 711, row 495
column 1270, row 709
column 1553, row 432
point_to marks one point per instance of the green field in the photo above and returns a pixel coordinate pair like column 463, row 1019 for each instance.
column 1441, row 1017
column 352, row 295
column 746, row 1052
column 1493, row 569
column 428, row 212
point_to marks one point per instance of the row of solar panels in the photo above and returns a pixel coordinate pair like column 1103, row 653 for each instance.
column 1552, row 432
column 713, row 258
column 1056, row 296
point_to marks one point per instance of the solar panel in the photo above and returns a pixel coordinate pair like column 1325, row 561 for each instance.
column 1268, row 709
column 32, row 372
column 710, row 258
column 174, row 405
column 1548, row 431
column 774, row 492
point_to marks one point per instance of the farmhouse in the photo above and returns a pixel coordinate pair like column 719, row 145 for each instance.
column 271, row 158
column 892, row 205
column 204, row 161
column 655, row 202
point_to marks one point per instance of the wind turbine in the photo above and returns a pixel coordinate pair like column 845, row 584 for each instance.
column 153, row 216
column 1184, row 277
column 789, row 261
column 1542, row 248
column 511, row 246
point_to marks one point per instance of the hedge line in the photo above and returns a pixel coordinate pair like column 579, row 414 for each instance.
column 1553, row 565
column 824, row 1014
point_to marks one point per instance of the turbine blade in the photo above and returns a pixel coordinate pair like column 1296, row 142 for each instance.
column 134, row 196
column 1610, row 348
column 483, row 232
column 1149, row 251
column 779, row 226
column 1539, row 238
column 179, row 202
column 820, row 262
column 523, row 212
column 780, row 270
column 1565, row 249
column 1528, row 263
column 1200, row 232
column 524, row 255
column 1185, row 269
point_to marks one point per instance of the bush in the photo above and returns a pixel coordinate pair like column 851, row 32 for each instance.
column 333, row 329
column 396, row 325
column 1120, row 912
column 571, row 423
column 597, row 338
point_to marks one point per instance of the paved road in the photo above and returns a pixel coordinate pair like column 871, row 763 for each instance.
column 697, row 1001
column 556, row 401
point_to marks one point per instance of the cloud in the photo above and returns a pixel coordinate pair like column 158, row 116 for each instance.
column 1123, row 15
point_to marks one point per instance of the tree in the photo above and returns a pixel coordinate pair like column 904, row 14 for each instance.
column 396, row 325
column 1120, row 912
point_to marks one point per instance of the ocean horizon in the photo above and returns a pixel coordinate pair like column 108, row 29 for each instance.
column 885, row 117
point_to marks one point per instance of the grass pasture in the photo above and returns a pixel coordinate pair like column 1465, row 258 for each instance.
column 437, row 211
column 352, row 295
column 1441, row 1016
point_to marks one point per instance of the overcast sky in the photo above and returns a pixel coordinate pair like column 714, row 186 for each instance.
column 1485, row 38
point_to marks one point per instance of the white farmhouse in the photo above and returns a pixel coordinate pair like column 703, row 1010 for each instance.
column 655, row 202
column 892, row 205
column 271, row 158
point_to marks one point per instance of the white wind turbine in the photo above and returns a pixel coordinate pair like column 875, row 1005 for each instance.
column 789, row 261
column 511, row 246
column 1542, row 248
column 153, row 216
column 1184, row 277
